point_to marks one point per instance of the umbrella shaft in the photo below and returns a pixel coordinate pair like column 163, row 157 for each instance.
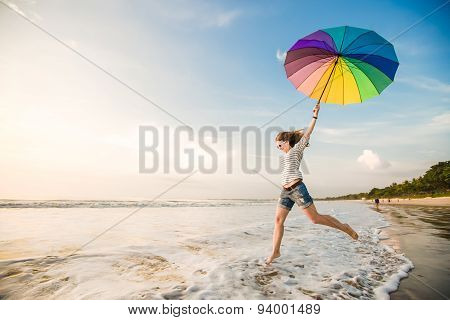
column 337, row 59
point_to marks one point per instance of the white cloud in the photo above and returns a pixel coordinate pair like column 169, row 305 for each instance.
column 16, row 8
column 201, row 13
column 33, row 16
column 409, row 48
column 281, row 55
column 225, row 18
column 425, row 83
column 372, row 160
column 347, row 136
column 339, row 132
column 441, row 120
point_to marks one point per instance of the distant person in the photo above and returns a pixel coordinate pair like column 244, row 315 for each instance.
column 294, row 190
column 377, row 202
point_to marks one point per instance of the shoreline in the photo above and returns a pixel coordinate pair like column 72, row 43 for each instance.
column 428, row 201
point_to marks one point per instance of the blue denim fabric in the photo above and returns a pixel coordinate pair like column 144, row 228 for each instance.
column 298, row 195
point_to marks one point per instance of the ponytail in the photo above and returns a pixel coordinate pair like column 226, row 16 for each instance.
column 292, row 136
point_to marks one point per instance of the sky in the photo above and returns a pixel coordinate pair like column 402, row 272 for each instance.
column 69, row 130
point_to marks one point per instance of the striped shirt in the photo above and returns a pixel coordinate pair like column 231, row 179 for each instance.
column 291, row 162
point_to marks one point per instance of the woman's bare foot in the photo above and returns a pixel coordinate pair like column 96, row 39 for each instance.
column 352, row 233
column 272, row 257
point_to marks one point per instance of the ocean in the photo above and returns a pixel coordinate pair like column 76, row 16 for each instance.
column 208, row 249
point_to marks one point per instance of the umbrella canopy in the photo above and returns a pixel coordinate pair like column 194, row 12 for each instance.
column 341, row 65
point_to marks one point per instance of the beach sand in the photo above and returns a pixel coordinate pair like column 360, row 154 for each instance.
column 191, row 250
column 439, row 201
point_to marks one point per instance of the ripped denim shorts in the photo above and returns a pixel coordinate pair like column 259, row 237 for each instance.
column 298, row 195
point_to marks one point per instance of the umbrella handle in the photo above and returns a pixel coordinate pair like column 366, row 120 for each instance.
column 328, row 79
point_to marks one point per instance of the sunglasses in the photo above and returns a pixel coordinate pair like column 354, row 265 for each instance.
column 280, row 144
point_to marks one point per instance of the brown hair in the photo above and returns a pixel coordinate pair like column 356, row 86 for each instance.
column 292, row 136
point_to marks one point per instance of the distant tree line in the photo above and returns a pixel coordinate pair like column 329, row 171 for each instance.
column 434, row 183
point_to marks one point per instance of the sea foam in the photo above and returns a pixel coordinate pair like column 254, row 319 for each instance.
column 193, row 251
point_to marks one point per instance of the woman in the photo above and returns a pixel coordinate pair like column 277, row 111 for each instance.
column 294, row 190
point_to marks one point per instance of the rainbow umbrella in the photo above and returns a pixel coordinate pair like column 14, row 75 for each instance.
column 341, row 65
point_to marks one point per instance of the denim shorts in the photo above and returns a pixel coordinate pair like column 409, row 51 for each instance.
column 298, row 195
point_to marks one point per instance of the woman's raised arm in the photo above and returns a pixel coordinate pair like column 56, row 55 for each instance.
column 313, row 120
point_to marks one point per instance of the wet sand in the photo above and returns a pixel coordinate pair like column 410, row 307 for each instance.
column 423, row 234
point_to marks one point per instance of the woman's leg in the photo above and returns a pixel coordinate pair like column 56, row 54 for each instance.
column 278, row 231
column 329, row 221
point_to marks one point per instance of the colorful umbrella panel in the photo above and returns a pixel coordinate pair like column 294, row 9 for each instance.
column 341, row 65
